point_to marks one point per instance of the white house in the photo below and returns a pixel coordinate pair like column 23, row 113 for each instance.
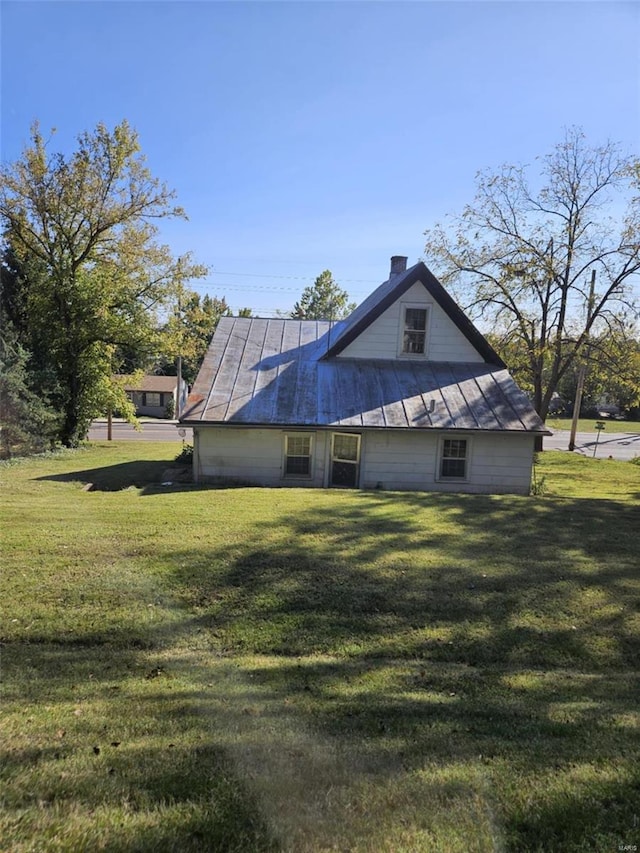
column 404, row 394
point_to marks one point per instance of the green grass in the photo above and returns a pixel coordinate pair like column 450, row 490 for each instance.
column 261, row 670
column 589, row 425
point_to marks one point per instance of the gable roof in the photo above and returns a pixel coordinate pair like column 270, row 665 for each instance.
column 149, row 382
column 276, row 373
column 389, row 291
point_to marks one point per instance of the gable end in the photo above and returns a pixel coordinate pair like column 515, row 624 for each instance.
column 420, row 273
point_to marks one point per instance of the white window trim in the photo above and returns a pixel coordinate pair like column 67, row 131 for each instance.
column 355, row 435
column 333, row 458
column 285, row 441
column 425, row 306
column 439, row 458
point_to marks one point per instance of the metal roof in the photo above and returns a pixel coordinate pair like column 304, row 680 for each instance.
column 276, row 373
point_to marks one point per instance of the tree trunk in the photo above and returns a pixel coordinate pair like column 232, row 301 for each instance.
column 70, row 432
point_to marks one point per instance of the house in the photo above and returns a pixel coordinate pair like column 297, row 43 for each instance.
column 404, row 394
column 154, row 396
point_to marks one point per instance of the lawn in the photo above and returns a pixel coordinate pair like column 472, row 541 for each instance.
column 195, row 669
column 589, row 425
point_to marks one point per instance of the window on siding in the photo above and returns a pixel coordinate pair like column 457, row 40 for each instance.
column 453, row 460
column 297, row 455
column 151, row 398
column 414, row 336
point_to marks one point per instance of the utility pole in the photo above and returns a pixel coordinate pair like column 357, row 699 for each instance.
column 583, row 369
column 179, row 389
column 179, row 370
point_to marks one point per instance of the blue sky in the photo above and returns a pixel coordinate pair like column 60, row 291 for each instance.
column 303, row 136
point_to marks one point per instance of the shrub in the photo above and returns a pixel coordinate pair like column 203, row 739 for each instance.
column 186, row 454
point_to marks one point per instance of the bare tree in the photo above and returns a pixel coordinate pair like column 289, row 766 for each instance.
column 522, row 259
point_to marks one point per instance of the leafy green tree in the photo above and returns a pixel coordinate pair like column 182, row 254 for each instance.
column 611, row 362
column 521, row 258
column 188, row 333
column 87, row 222
column 612, row 373
column 324, row 300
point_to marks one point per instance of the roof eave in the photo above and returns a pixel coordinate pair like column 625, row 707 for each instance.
column 190, row 422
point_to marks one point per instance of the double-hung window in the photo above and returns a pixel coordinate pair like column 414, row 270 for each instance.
column 151, row 398
column 454, row 459
column 414, row 330
column 298, row 454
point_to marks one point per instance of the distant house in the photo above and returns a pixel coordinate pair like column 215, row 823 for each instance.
column 404, row 394
column 155, row 396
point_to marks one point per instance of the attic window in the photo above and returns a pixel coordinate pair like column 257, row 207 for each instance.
column 414, row 331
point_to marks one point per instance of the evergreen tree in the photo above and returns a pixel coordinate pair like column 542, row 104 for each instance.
column 324, row 300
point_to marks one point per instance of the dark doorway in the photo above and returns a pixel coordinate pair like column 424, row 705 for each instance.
column 345, row 460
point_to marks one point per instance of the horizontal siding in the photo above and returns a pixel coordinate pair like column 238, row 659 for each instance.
column 445, row 341
column 498, row 463
column 252, row 456
column 389, row 460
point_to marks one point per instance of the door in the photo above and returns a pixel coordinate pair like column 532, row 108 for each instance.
column 345, row 460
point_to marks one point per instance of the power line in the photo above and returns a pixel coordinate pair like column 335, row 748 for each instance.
column 297, row 277
column 263, row 289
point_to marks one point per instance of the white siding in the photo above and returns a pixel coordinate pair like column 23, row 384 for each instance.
column 404, row 461
column 497, row 462
column 252, row 456
column 445, row 342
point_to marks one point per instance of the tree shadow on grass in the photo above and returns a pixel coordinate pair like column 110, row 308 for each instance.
column 126, row 758
column 465, row 578
column 453, row 629
column 150, row 476
column 115, row 478
column 428, row 607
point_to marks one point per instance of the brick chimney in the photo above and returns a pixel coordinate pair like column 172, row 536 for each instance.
column 398, row 265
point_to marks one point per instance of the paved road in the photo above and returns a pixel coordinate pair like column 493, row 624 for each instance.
column 151, row 431
column 618, row 445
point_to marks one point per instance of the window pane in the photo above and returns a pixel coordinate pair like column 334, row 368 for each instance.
column 415, row 319
column 345, row 447
column 298, row 455
column 455, row 448
column 415, row 326
column 453, row 467
column 298, row 445
column 454, row 458
column 298, row 465
column 413, row 342
column 152, row 398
